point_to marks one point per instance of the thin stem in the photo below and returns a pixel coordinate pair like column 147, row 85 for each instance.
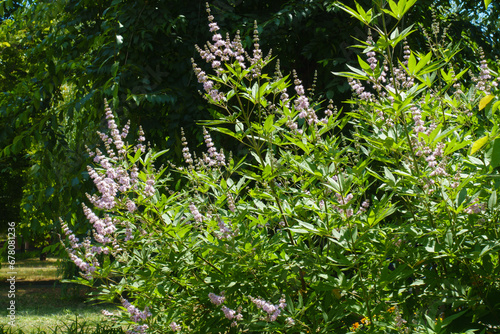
column 211, row 265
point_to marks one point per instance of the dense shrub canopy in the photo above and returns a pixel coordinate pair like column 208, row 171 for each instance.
column 378, row 218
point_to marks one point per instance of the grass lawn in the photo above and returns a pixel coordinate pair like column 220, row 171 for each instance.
column 45, row 305
column 32, row 270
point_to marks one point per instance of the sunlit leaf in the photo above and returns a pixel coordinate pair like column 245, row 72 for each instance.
column 478, row 144
column 485, row 100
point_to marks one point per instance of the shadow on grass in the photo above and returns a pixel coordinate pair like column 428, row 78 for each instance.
column 47, row 297
column 43, row 305
column 48, row 306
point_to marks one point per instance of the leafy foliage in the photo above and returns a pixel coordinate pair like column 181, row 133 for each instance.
column 60, row 59
column 382, row 218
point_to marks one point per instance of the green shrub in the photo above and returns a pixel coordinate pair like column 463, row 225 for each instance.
column 383, row 218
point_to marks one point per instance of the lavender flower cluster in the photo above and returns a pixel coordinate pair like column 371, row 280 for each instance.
column 226, row 50
column 175, row 327
column 225, row 231
column 209, row 159
column 273, row 311
column 111, row 180
column 215, row 299
column 116, row 180
column 228, row 313
column 230, row 52
column 483, row 82
column 302, row 103
column 344, row 203
column 136, row 316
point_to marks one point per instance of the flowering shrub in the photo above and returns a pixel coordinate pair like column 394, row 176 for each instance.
column 383, row 218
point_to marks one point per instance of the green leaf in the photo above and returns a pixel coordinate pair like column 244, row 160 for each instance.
column 448, row 239
column 49, row 192
column 423, row 61
column 360, row 9
column 268, row 124
column 478, row 144
column 495, row 106
column 407, row 5
column 114, row 68
column 380, row 212
column 307, row 226
column 394, row 9
column 493, row 154
column 298, row 143
column 492, row 202
column 412, row 62
column 389, row 176
column 475, row 161
column 364, row 65
column 486, row 3
column 360, row 14
column 485, row 101
column 461, row 196
column 453, row 145
column 357, row 71
column 401, row 7
column 239, row 127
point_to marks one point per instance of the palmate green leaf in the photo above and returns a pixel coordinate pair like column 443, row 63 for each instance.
column 398, row 10
column 447, row 76
column 359, row 13
column 437, row 135
column 422, row 66
column 381, row 211
column 394, row 38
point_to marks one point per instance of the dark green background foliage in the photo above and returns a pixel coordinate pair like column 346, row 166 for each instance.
column 60, row 59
